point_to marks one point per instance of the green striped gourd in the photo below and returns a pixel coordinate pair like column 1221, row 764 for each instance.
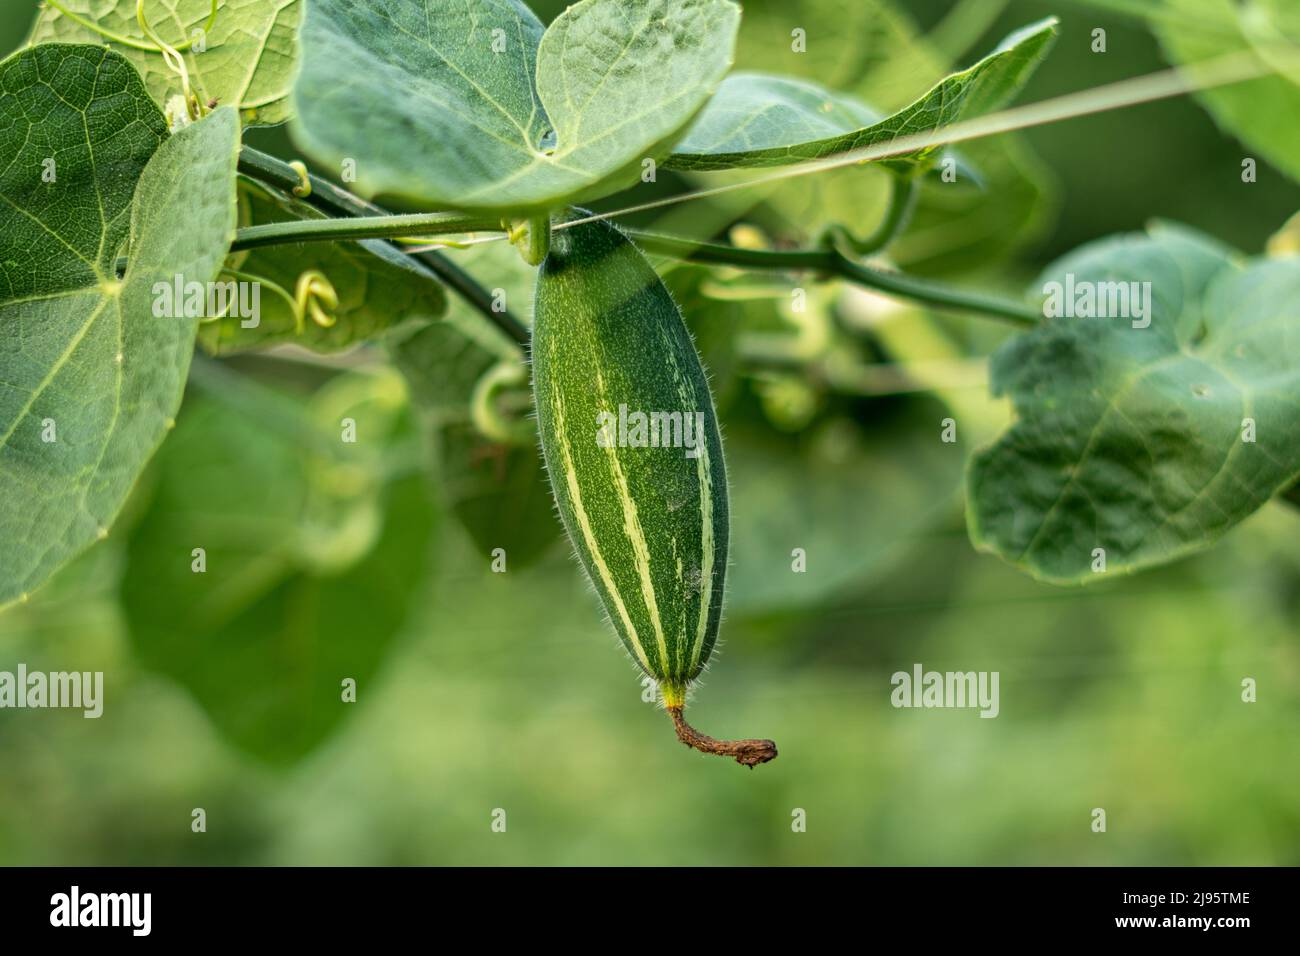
column 632, row 448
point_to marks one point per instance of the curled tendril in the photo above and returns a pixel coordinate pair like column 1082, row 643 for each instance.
column 313, row 295
column 194, row 108
column 313, row 291
column 485, row 412
column 174, row 60
column 303, row 189
column 902, row 200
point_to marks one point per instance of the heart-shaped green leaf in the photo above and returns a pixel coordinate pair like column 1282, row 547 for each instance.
column 756, row 119
column 843, row 534
column 312, row 553
column 1147, row 436
column 91, row 377
column 470, row 105
column 247, row 58
column 377, row 286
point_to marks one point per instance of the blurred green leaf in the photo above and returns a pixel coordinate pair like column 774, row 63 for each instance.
column 444, row 359
column 719, row 310
column 955, row 230
column 850, row 492
column 758, row 119
column 1147, row 442
column 315, row 552
column 496, row 489
column 248, row 57
column 1259, row 112
column 377, row 286
column 432, row 84
column 92, row 374
column 866, row 47
column 499, row 493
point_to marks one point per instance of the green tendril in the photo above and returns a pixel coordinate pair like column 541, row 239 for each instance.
column 303, row 189
column 312, row 290
column 313, row 295
column 127, row 41
column 485, row 412
column 173, row 59
column 242, row 276
column 902, row 200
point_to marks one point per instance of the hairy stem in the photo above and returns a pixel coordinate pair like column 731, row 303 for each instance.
column 750, row 753
column 833, row 262
column 334, row 200
column 361, row 227
column 539, row 240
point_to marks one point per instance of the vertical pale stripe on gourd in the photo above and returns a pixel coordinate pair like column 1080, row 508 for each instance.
column 588, row 534
column 636, row 537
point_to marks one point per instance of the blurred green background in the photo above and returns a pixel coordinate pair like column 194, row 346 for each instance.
column 479, row 691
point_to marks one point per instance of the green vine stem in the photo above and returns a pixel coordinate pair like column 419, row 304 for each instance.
column 333, row 200
column 338, row 202
column 902, row 200
column 826, row 261
column 833, row 262
column 360, row 227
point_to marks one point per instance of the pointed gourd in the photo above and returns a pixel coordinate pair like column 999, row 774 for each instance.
column 632, row 447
